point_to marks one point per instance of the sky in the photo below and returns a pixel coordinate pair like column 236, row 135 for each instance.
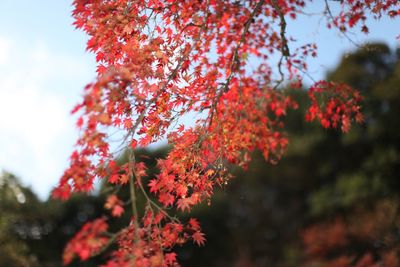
column 44, row 67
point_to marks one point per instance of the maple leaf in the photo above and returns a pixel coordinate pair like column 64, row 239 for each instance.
column 133, row 144
column 184, row 204
column 117, row 211
column 181, row 190
column 61, row 192
column 199, row 238
column 194, row 224
column 115, row 205
column 166, row 199
column 153, row 184
column 111, row 201
column 170, row 258
column 124, row 179
column 113, row 179
column 84, row 253
column 210, row 172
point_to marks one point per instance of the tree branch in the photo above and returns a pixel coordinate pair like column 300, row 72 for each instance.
column 328, row 10
column 285, row 52
column 235, row 64
column 131, row 166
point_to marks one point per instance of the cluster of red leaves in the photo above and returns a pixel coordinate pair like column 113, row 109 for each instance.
column 334, row 105
column 150, row 244
column 364, row 239
column 355, row 12
column 80, row 173
column 195, row 165
column 87, row 242
column 159, row 60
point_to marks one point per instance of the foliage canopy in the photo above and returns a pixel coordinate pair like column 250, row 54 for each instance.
column 159, row 61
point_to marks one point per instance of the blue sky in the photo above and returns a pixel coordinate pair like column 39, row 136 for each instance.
column 44, row 66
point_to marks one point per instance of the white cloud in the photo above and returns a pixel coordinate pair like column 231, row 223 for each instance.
column 37, row 91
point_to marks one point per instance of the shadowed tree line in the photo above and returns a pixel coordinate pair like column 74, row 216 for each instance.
column 332, row 200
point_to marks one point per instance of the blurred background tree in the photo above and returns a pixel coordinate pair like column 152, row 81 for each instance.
column 14, row 251
column 33, row 233
column 333, row 200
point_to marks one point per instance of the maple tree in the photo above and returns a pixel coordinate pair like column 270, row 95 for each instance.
column 158, row 61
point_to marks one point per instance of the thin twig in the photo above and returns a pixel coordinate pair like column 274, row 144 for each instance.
column 285, row 52
column 131, row 173
column 328, row 10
